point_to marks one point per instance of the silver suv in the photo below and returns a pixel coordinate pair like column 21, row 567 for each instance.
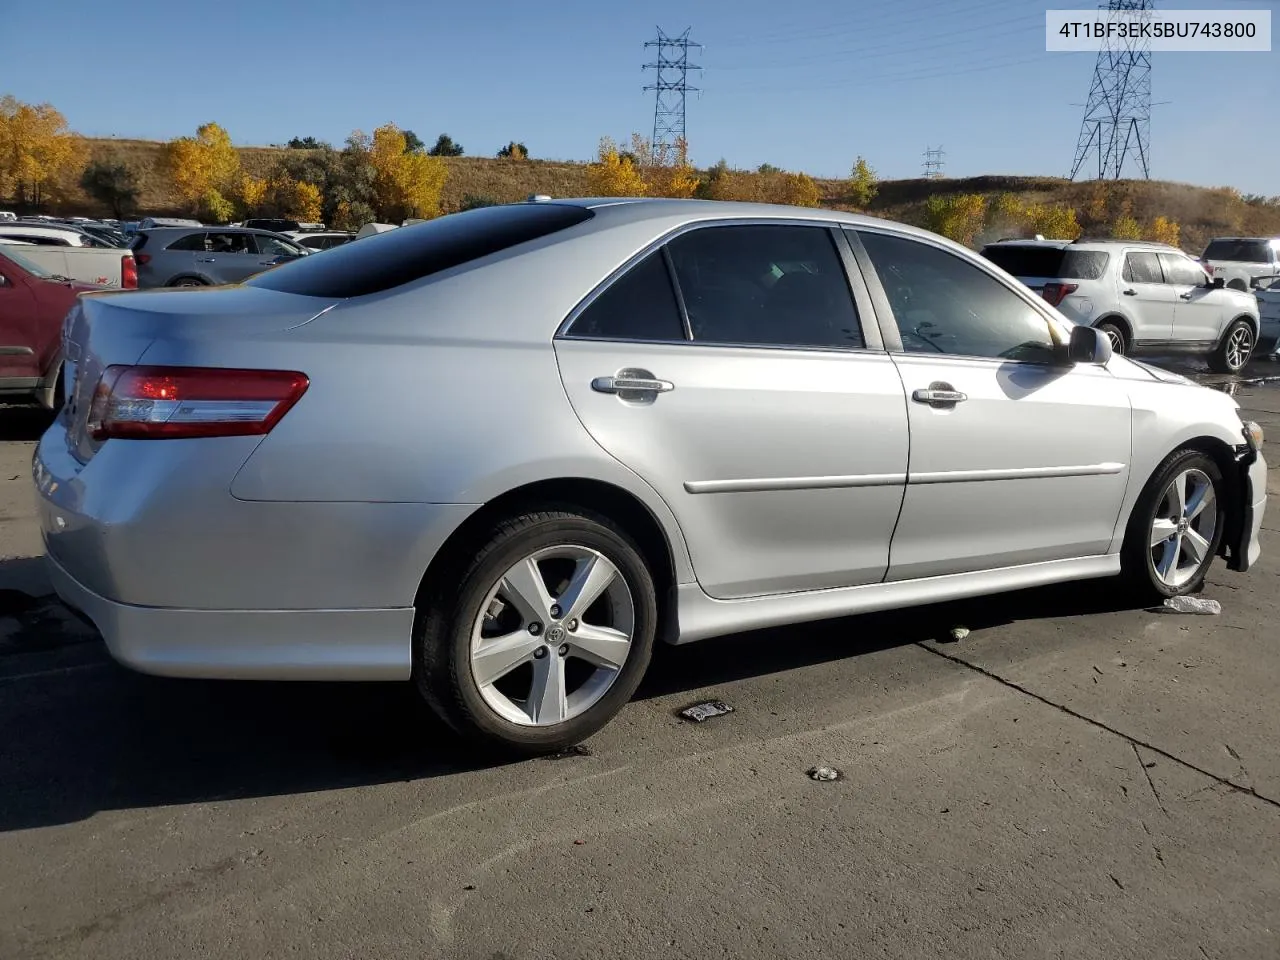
column 1146, row 297
column 208, row 256
column 1241, row 260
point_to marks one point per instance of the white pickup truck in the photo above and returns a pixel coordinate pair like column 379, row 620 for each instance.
column 109, row 266
column 1239, row 260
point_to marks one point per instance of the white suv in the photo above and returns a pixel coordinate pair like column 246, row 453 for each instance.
column 1241, row 260
column 1147, row 297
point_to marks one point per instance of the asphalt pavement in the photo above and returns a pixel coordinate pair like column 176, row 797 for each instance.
column 1075, row 778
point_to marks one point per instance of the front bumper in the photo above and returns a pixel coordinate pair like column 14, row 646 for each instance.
column 1245, row 545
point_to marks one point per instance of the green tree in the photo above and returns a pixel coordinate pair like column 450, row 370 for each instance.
column 471, row 201
column 863, row 184
column 767, row 169
column 306, row 143
column 514, row 151
column 113, row 183
column 413, row 143
column 445, row 147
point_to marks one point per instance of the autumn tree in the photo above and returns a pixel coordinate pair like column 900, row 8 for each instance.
column 205, row 170
column 404, row 184
column 1126, row 228
column 959, row 217
column 794, row 189
column 445, row 147
column 1053, row 220
column 252, row 193
column 1165, row 230
column 514, row 151
column 37, row 150
column 863, row 184
column 113, row 183
column 664, row 169
column 613, row 175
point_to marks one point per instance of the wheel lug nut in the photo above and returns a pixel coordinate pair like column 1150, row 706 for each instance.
column 572, row 625
column 564, row 650
column 539, row 653
column 535, row 628
column 555, row 611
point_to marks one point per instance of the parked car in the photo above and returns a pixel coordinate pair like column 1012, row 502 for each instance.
column 100, row 266
column 273, row 224
column 50, row 234
column 1267, row 292
column 1238, row 260
column 612, row 421
column 320, row 240
column 1146, row 297
column 149, row 223
column 198, row 257
column 33, row 304
column 7, row 216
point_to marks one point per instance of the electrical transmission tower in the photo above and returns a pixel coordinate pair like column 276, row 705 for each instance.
column 1117, row 117
column 671, row 81
column 933, row 163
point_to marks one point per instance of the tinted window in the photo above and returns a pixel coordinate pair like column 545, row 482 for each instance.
column 1048, row 262
column 1142, row 268
column 42, row 239
column 1244, row 251
column 776, row 285
column 639, row 305
column 387, row 260
column 943, row 304
column 273, row 247
column 1181, row 270
column 192, row 241
column 228, row 243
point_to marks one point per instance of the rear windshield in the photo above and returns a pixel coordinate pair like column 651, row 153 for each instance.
column 138, row 242
column 1242, row 251
column 387, row 260
column 1054, row 262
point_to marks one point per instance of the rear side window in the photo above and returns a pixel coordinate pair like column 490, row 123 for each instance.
column 1050, row 263
column 192, row 241
column 388, row 260
column 1142, row 268
column 1241, row 251
column 639, row 305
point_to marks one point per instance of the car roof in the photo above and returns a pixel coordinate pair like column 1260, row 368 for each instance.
column 207, row 227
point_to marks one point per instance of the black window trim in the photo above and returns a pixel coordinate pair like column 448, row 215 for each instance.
column 889, row 324
column 872, row 340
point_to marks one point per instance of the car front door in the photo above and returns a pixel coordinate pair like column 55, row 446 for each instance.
column 229, row 257
column 1199, row 313
column 1150, row 300
column 729, row 370
column 18, row 319
column 273, row 251
column 1016, row 458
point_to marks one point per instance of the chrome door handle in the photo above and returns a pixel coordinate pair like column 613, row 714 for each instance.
column 631, row 384
column 1130, row 293
column 939, row 395
column 1184, row 296
column 205, row 259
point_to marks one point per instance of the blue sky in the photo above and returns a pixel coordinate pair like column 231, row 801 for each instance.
column 804, row 85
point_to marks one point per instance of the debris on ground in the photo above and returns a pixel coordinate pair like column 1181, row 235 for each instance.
column 824, row 774
column 956, row 634
column 1198, row 605
column 577, row 750
column 705, row 711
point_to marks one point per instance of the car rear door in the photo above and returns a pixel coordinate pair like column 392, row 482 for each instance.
column 1149, row 299
column 1200, row 312
column 18, row 320
column 229, row 257
column 1015, row 457
column 754, row 396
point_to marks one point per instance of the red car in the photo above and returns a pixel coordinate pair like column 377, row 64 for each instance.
column 33, row 303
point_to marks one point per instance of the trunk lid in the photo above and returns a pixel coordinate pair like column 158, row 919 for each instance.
column 119, row 328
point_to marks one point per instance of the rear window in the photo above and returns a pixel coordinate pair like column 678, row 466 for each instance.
column 387, row 260
column 1048, row 262
column 1242, row 251
column 139, row 241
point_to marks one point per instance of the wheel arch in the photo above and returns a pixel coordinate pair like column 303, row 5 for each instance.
column 187, row 276
column 1224, row 456
column 599, row 496
column 1121, row 321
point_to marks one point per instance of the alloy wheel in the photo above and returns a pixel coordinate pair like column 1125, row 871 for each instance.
column 1239, row 346
column 1117, row 340
column 552, row 636
column 1183, row 529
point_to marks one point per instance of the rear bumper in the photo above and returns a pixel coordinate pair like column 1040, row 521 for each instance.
column 247, row 644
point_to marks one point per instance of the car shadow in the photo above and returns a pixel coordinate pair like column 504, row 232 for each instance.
column 23, row 423
column 83, row 735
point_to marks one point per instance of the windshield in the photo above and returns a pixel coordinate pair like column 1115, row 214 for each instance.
column 25, row 263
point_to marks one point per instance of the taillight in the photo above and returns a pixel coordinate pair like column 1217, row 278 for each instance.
column 1055, row 293
column 1208, row 268
column 164, row 403
column 128, row 272
column 142, row 258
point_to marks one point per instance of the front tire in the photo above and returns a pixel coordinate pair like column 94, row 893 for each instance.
column 544, row 635
column 1235, row 348
column 1115, row 335
column 1176, row 527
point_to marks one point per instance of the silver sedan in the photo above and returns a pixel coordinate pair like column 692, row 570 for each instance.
column 503, row 452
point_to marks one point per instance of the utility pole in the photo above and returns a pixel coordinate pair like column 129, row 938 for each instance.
column 1117, row 116
column 671, row 83
column 933, row 163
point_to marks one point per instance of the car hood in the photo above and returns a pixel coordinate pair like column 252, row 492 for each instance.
column 1164, row 376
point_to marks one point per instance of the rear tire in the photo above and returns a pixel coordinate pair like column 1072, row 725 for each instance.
column 498, row 659
column 1234, row 349
column 1119, row 344
column 188, row 282
column 1175, row 528
column 1237, row 285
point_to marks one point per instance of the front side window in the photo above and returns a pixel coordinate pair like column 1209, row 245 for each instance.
column 1182, row 271
column 945, row 305
column 273, row 247
column 1142, row 268
column 639, row 305
column 766, row 284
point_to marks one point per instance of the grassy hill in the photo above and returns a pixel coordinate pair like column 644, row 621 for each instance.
column 1201, row 212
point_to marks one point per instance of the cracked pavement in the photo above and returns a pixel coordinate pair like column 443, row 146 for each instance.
column 1074, row 779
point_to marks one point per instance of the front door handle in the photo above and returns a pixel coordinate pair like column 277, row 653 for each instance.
column 632, row 384
column 1185, row 296
column 205, row 259
column 939, row 394
column 1130, row 293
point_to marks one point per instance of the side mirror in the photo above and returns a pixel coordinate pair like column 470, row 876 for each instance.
column 1088, row 345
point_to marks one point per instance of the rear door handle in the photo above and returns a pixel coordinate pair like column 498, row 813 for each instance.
column 1184, row 296
column 631, row 384
column 939, row 395
column 1130, row 293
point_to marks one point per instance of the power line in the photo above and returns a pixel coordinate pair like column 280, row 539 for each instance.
column 671, row 83
column 1117, row 115
column 928, row 74
column 863, row 25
